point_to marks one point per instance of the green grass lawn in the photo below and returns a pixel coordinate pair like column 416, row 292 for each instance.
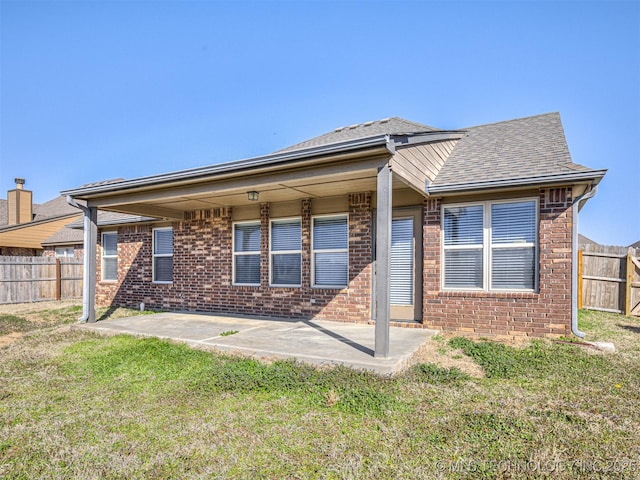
column 77, row 405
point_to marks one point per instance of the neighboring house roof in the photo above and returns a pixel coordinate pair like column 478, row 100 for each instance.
column 387, row 126
column 525, row 148
column 635, row 245
column 65, row 236
column 49, row 220
column 56, row 207
column 72, row 234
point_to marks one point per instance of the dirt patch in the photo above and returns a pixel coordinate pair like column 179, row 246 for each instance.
column 437, row 351
column 10, row 338
column 15, row 308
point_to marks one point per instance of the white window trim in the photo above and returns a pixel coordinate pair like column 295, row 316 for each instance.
column 487, row 246
column 103, row 256
column 233, row 251
column 283, row 252
column 158, row 255
column 331, row 250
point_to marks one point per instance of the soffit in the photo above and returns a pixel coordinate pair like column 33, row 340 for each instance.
column 292, row 184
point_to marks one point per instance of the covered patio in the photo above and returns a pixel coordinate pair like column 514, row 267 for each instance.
column 327, row 177
column 315, row 342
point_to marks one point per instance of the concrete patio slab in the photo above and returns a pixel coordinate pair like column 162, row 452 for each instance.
column 310, row 341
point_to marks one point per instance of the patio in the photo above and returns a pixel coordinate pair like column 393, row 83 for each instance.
column 314, row 342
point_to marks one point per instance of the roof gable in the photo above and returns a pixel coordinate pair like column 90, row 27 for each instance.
column 522, row 148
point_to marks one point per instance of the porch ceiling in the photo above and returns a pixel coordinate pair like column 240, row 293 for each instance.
column 172, row 202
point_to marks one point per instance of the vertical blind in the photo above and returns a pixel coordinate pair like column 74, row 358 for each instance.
column 401, row 272
column 286, row 257
column 163, row 255
column 330, row 251
column 246, row 253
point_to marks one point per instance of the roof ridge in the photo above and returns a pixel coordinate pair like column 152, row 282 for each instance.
column 513, row 120
column 384, row 126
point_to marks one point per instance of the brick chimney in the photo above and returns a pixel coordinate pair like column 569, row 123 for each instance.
column 19, row 204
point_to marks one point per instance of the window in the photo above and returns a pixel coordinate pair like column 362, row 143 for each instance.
column 286, row 252
column 330, row 251
column 246, row 253
column 490, row 246
column 64, row 251
column 110, row 256
column 163, row 255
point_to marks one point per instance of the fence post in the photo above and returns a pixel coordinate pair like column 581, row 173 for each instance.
column 58, row 280
column 579, row 279
column 629, row 281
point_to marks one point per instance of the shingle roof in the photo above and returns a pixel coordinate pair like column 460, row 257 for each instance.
column 56, row 207
column 387, row 126
column 65, row 236
column 103, row 182
column 522, row 148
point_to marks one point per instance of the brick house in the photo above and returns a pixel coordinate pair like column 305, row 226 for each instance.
column 391, row 222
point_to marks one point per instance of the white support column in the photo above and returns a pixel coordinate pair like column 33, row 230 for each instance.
column 383, row 256
column 90, row 248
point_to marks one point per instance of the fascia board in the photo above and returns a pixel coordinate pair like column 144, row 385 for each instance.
column 592, row 175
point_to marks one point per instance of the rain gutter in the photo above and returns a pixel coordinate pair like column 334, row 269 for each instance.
column 593, row 175
column 86, row 267
column 574, row 259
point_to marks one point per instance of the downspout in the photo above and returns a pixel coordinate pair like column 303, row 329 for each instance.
column 574, row 259
column 86, row 307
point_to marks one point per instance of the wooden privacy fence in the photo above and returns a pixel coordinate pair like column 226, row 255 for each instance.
column 609, row 279
column 37, row 279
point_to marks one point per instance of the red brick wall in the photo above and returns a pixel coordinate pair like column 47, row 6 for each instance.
column 202, row 275
column 50, row 251
column 544, row 313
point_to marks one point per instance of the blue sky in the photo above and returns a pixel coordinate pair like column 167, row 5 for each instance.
column 98, row 90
